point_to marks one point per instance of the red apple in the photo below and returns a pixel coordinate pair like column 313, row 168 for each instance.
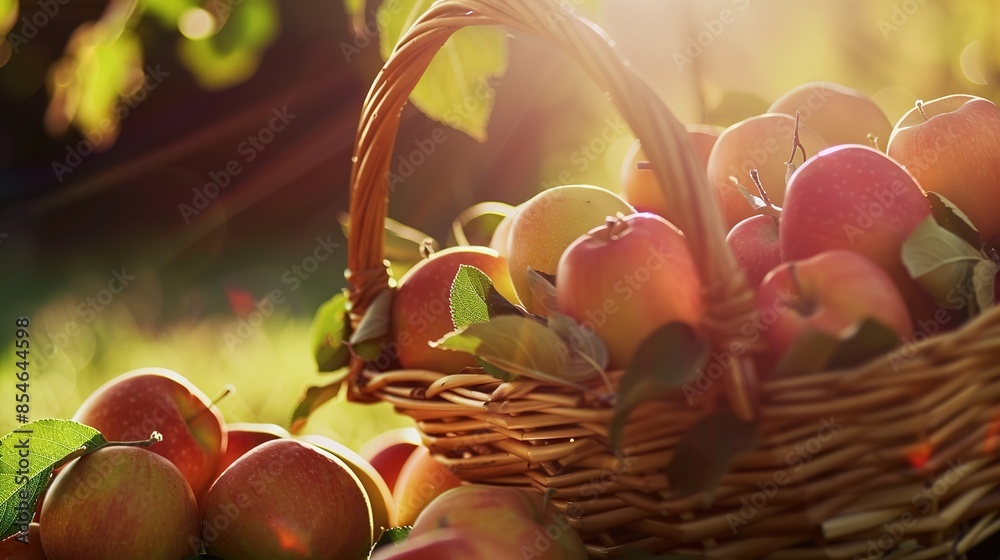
column 421, row 310
column 421, row 480
column 625, row 279
column 830, row 292
column 951, row 145
column 456, row 544
column 517, row 515
column 763, row 143
column 754, row 243
column 856, row 198
column 388, row 452
column 12, row 548
column 641, row 188
column 379, row 493
column 133, row 405
column 120, row 502
column 838, row 114
column 287, row 499
column 244, row 436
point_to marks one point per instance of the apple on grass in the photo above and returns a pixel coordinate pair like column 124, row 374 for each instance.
column 754, row 243
column 287, row 499
column 830, row 292
column 625, row 279
column 951, row 145
column 517, row 515
column 546, row 224
column 133, row 405
column 120, row 502
column 388, row 452
column 379, row 493
column 421, row 310
column 244, row 436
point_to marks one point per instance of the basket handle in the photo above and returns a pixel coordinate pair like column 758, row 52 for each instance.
column 728, row 297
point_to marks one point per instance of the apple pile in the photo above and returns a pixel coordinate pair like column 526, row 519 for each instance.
column 246, row 491
column 865, row 228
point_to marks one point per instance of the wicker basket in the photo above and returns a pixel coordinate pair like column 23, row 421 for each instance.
column 835, row 474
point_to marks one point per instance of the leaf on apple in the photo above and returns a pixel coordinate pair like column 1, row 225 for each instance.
column 940, row 261
column 814, row 350
column 330, row 325
column 455, row 89
column 50, row 444
column 951, row 218
column 543, row 289
column 517, row 345
column 588, row 355
column 469, row 291
column 366, row 341
column 666, row 360
column 705, row 452
column 392, row 537
column 314, row 398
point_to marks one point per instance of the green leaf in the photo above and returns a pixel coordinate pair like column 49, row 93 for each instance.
column 374, row 328
column 588, row 355
column 951, row 218
column 543, row 289
column 50, row 443
column 329, row 327
column 940, row 261
column 233, row 54
column 469, row 292
column 667, row 359
column 705, row 452
column 517, row 345
column 814, row 350
column 455, row 89
column 392, row 537
column 314, row 398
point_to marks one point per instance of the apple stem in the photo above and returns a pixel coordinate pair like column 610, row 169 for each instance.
column 803, row 307
column 920, row 107
column 796, row 144
column 769, row 209
column 874, row 140
column 153, row 438
column 227, row 390
column 644, row 165
column 616, row 226
column 426, row 248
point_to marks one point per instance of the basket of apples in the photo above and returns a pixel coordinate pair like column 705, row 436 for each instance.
column 785, row 359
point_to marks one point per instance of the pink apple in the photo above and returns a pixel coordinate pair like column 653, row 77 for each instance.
column 856, row 198
column 244, row 436
column 830, row 292
column 951, row 145
column 754, row 243
column 134, row 404
column 627, row 278
column 388, row 452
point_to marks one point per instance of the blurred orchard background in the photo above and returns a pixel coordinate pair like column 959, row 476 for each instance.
column 263, row 97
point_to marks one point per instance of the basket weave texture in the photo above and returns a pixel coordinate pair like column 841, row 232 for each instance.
column 895, row 459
